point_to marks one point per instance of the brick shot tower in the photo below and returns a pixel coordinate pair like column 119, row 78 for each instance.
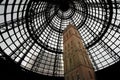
column 77, row 65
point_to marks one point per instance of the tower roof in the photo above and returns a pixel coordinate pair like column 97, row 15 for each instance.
column 69, row 26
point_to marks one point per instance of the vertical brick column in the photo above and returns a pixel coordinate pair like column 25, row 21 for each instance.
column 77, row 65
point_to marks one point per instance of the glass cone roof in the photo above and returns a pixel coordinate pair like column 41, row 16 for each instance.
column 31, row 32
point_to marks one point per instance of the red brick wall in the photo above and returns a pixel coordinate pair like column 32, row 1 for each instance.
column 76, row 61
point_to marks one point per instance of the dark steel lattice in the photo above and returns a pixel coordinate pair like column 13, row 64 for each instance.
column 31, row 32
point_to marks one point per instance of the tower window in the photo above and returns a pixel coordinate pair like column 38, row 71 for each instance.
column 78, row 77
column 90, row 74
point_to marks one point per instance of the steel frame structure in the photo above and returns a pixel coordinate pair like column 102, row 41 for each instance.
column 31, row 32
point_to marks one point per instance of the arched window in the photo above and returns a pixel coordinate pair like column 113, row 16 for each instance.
column 90, row 74
column 78, row 77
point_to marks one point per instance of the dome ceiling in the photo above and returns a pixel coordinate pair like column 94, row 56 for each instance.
column 31, row 32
